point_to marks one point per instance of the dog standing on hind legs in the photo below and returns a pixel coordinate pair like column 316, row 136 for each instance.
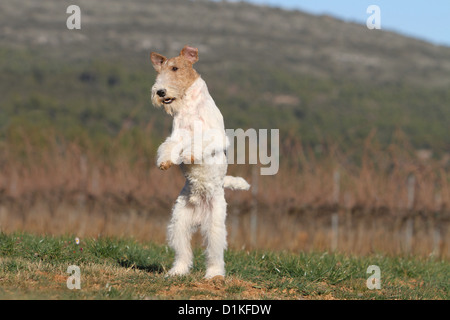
column 198, row 145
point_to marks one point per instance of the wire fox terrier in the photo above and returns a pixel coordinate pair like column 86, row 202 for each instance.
column 198, row 145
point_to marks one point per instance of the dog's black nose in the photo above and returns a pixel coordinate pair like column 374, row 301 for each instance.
column 161, row 93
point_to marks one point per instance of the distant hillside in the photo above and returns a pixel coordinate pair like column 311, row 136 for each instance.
column 317, row 78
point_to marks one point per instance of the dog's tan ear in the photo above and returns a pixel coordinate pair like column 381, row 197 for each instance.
column 190, row 54
column 157, row 60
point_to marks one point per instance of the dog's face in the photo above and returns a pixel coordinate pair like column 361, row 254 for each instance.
column 175, row 76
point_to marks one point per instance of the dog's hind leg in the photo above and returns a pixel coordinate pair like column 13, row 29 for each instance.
column 215, row 234
column 179, row 235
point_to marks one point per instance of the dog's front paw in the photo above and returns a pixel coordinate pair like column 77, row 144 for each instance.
column 165, row 165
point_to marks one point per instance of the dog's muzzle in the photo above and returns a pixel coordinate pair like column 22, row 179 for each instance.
column 162, row 94
column 168, row 100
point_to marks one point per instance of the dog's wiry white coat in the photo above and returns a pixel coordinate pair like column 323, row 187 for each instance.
column 201, row 202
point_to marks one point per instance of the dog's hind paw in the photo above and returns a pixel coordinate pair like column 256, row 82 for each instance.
column 178, row 271
column 213, row 272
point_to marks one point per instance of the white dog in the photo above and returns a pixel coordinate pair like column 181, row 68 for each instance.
column 198, row 145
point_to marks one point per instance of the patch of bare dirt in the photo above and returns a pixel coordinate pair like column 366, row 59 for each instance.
column 224, row 288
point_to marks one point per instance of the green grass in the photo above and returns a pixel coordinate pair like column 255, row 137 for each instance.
column 35, row 267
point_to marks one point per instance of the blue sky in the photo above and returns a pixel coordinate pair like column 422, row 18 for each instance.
column 426, row 20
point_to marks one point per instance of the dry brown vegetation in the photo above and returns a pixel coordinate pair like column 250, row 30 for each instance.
column 387, row 201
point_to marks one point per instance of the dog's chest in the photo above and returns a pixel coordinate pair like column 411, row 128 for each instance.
column 187, row 121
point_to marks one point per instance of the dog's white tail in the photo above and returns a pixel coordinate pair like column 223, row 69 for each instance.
column 235, row 183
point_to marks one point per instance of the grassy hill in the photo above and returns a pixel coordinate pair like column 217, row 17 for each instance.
column 316, row 78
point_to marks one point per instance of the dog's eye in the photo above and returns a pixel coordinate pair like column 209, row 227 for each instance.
column 174, row 68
